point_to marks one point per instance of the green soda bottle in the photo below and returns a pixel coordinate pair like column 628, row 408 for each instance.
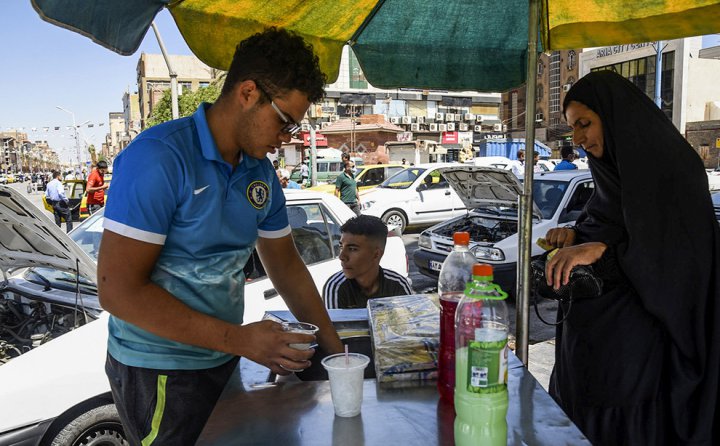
column 481, row 358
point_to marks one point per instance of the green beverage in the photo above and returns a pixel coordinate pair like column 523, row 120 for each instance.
column 479, row 420
column 481, row 357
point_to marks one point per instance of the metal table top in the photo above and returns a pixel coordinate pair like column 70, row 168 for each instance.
column 253, row 412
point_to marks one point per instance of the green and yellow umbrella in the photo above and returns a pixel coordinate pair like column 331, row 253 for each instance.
column 450, row 44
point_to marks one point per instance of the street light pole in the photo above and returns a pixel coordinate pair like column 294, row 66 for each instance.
column 77, row 140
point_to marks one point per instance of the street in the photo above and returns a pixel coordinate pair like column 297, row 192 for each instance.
column 421, row 284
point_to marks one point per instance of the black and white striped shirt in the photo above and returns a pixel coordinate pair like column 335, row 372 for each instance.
column 341, row 292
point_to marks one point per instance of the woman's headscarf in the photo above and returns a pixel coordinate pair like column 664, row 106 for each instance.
column 652, row 203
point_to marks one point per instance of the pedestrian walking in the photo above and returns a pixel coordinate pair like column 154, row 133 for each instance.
column 192, row 199
column 346, row 188
column 55, row 196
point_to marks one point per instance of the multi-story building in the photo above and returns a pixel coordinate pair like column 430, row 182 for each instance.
column 153, row 78
column 116, row 135
column 556, row 72
column 454, row 118
column 689, row 90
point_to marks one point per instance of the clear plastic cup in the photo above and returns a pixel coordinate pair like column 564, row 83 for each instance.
column 346, row 382
column 300, row 327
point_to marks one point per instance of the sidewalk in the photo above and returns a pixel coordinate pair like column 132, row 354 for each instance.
column 541, row 360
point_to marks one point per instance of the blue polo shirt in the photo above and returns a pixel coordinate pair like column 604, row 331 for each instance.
column 171, row 187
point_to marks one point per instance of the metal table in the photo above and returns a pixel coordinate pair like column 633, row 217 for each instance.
column 252, row 411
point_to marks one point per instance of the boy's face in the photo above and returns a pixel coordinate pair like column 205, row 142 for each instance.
column 358, row 255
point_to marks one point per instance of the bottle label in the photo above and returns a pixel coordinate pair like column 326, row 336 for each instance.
column 487, row 366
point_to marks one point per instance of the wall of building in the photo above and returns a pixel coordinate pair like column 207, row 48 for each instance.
column 704, row 87
column 704, row 137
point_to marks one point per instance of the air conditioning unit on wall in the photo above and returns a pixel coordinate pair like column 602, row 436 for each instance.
column 469, row 117
column 420, row 119
column 433, row 127
column 450, row 117
column 463, row 127
column 395, row 120
column 414, row 127
column 439, row 116
column 497, row 127
column 406, row 120
column 566, row 87
column 325, row 124
column 451, row 127
column 478, row 128
column 442, row 127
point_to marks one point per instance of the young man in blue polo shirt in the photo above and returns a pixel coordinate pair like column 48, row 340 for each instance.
column 170, row 269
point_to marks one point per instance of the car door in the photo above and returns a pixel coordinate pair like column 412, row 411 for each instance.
column 316, row 232
column 581, row 193
column 434, row 199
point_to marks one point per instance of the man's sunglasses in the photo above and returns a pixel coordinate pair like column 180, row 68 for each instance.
column 291, row 127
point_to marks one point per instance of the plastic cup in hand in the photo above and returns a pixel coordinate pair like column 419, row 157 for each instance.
column 346, row 381
column 300, row 327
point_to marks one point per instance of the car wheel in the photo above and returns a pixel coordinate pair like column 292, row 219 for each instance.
column 395, row 218
column 96, row 427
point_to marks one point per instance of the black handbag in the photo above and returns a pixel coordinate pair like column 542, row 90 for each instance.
column 582, row 284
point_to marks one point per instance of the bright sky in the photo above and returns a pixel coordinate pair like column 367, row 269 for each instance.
column 45, row 66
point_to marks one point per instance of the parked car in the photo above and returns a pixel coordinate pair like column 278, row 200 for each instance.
column 55, row 385
column 3, row 178
column 414, row 196
column 492, row 197
column 367, row 177
column 716, row 203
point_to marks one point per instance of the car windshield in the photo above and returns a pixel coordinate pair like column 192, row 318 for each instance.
column 87, row 236
column 547, row 195
column 403, row 179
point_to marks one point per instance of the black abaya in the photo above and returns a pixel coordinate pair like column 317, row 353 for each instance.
column 640, row 364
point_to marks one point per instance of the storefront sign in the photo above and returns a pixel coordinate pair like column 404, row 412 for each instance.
column 404, row 136
column 320, row 140
column 617, row 49
column 449, row 138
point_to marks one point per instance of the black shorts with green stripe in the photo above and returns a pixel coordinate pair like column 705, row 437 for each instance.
column 165, row 407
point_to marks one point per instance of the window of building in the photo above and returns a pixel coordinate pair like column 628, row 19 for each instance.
column 554, row 83
column 641, row 72
column 357, row 77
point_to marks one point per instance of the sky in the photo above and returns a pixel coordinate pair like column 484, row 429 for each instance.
column 45, row 66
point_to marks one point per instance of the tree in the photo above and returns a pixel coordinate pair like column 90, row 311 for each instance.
column 93, row 154
column 188, row 102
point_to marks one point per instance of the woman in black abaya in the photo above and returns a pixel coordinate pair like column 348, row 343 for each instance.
column 639, row 365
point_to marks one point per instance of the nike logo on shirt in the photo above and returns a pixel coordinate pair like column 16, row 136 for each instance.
column 197, row 191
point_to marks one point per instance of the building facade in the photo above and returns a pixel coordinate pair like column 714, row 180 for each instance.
column 153, row 78
column 556, row 73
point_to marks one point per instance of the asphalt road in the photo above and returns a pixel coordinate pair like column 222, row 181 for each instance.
column 421, row 284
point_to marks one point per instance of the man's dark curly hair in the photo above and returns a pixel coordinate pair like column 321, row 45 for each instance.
column 368, row 225
column 278, row 61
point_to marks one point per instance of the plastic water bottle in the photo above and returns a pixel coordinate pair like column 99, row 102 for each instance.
column 455, row 274
column 481, row 334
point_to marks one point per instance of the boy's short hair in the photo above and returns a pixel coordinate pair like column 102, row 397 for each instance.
column 278, row 61
column 370, row 226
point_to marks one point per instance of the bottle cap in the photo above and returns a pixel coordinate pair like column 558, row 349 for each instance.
column 482, row 270
column 461, row 238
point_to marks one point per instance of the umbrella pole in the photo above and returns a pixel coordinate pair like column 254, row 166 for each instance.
column 526, row 199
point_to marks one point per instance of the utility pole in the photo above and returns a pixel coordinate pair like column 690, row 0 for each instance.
column 171, row 72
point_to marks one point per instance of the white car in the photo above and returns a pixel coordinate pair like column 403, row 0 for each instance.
column 492, row 195
column 57, row 392
column 415, row 195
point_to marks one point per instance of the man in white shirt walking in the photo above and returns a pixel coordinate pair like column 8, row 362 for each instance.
column 55, row 196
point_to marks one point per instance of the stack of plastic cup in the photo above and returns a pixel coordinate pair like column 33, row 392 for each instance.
column 346, row 372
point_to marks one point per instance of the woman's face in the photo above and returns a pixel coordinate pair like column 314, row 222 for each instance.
column 587, row 128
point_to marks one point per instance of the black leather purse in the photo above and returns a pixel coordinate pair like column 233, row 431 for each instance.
column 583, row 284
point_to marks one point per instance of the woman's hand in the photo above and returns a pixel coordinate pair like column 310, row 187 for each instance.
column 560, row 237
column 557, row 269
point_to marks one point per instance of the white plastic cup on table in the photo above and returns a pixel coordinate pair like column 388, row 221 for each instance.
column 346, row 381
column 300, row 327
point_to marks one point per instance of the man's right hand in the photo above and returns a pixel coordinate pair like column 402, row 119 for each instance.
column 561, row 237
column 266, row 343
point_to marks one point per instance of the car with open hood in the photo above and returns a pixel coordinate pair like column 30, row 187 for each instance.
column 53, row 331
column 491, row 197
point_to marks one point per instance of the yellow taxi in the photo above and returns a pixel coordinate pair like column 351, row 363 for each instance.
column 75, row 191
column 367, row 177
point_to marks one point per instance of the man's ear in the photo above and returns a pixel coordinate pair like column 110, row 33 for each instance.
column 378, row 253
column 246, row 93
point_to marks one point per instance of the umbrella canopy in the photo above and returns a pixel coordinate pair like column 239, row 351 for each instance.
column 453, row 45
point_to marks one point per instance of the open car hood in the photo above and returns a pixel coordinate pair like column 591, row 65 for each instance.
column 480, row 187
column 29, row 238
